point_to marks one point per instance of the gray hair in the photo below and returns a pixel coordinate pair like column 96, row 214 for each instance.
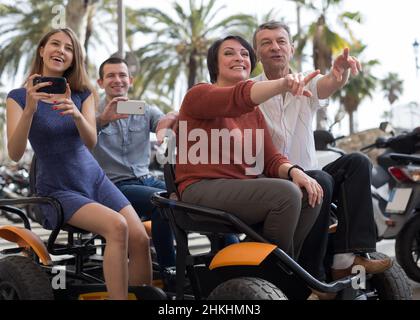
column 271, row 25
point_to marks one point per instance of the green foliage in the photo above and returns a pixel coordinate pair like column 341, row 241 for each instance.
column 174, row 42
column 179, row 41
column 21, row 26
column 392, row 86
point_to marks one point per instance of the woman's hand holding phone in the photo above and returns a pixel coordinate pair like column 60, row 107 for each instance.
column 57, row 84
column 33, row 95
column 66, row 105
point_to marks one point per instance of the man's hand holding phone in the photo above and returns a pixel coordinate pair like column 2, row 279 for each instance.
column 131, row 107
column 110, row 112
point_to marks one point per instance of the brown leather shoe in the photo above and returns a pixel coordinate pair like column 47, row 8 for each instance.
column 318, row 295
column 371, row 266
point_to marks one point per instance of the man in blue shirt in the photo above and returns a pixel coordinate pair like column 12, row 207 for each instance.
column 123, row 151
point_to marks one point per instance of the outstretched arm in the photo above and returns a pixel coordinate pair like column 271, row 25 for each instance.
column 294, row 83
column 206, row 101
column 338, row 75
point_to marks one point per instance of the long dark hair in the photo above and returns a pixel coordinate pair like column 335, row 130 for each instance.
column 212, row 55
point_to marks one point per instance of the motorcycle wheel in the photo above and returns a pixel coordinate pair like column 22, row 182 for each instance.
column 407, row 248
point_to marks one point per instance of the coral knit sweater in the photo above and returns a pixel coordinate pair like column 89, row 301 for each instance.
column 205, row 110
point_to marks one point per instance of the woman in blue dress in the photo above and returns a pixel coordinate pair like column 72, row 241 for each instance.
column 61, row 130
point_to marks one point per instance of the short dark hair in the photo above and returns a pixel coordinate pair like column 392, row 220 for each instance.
column 111, row 60
column 271, row 25
column 212, row 58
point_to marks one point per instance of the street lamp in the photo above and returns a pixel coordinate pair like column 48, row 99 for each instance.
column 416, row 55
column 121, row 28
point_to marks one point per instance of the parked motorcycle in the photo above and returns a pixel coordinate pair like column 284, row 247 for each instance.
column 395, row 192
column 14, row 184
column 396, row 196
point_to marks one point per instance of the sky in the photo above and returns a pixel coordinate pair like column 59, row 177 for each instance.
column 389, row 29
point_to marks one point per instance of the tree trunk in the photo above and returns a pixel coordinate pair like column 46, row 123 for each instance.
column 322, row 56
column 76, row 17
column 351, row 103
column 192, row 69
column 89, row 29
column 351, row 122
column 298, row 57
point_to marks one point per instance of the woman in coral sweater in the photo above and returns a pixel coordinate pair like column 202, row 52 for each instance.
column 226, row 158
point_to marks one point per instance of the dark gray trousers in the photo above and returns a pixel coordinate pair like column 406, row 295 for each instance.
column 278, row 204
column 347, row 182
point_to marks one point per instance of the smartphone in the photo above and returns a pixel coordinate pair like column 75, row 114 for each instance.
column 131, row 107
column 58, row 84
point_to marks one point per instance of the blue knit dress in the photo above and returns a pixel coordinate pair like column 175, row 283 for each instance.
column 66, row 170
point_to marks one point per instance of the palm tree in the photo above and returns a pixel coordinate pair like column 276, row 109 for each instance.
column 179, row 41
column 301, row 37
column 87, row 17
column 359, row 87
column 392, row 86
column 325, row 41
column 23, row 24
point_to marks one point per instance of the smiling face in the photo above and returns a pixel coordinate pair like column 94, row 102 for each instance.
column 116, row 80
column 234, row 63
column 57, row 54
column 274, row 50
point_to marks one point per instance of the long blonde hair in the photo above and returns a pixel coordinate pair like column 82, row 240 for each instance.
column 76, row 74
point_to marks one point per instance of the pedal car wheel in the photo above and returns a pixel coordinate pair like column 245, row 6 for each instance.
column 407, row 248
column 247, row 288
column 22, row 279
column 392, row 284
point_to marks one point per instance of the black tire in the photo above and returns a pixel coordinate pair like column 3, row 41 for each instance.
column 22, row 279
column 407, row 248
column 392, row 284
column 246, row 288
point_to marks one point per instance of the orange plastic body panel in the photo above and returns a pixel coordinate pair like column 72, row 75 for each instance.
column 102, row 296
column 26, row 239
column 246, row 253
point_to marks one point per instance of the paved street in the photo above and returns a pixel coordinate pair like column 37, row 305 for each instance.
column 200, row 243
